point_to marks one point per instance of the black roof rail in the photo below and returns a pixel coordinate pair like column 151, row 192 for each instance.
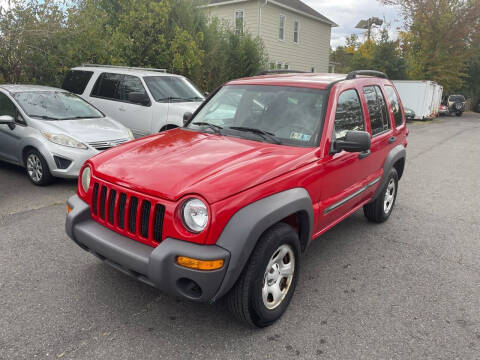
column 353, row 74
column 267, row 72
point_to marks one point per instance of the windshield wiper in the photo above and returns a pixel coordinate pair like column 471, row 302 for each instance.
column 217, row 129
column 172, row 98
column 196, row 98
column 45, row 117
column 265, row 134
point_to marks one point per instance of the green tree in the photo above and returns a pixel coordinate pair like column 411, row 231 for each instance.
column 438, row 37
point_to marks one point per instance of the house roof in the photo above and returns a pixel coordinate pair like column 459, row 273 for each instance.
column 294, row 5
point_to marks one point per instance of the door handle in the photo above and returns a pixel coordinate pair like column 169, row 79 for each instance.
column 392, row 139
column 364, row 154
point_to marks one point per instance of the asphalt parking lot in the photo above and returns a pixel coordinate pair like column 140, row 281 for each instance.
column 406, row 289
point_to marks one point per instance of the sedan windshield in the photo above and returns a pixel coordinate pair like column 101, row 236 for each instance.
column 276, row 114
column 55, row 105
column 172, row 89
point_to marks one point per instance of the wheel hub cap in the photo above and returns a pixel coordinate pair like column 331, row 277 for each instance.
column 389, row 196
column 278, row 276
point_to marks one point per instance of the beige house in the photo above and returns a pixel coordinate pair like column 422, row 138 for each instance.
column 296, row 36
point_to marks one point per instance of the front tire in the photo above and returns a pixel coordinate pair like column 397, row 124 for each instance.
column 264, row 290
column 37, row 168
column 380, row 209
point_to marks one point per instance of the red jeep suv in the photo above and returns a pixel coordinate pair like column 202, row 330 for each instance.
column 226, row 205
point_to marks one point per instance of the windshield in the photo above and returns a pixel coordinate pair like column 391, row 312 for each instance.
column 279, row 114
column 55, row 105
column 172, row 89
column 457, row 98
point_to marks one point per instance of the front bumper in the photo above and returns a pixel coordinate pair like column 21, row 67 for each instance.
column 76, row 156
column 153, row 266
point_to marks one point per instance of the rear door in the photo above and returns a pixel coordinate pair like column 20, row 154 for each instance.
column 378, row 115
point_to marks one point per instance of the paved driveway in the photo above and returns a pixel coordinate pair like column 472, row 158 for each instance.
column 406, row 289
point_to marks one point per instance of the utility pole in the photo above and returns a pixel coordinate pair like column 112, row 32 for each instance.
column 368, row 24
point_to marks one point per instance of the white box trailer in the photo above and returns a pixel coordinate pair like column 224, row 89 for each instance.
column 422, row 96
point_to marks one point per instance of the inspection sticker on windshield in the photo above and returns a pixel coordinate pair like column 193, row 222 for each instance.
column 299, row 136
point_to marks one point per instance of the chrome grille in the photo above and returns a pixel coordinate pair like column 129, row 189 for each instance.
column 104, row 145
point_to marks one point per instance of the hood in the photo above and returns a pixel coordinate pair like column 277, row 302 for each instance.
column 180, row 162
column 87, row 130
column 177, row 110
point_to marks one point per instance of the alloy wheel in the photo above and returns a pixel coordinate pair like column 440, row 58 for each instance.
column 34, row 167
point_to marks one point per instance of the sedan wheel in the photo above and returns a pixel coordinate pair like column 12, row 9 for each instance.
column 34, row 167
column 37, row 168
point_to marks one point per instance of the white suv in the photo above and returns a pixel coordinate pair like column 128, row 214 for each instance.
column 145, row 100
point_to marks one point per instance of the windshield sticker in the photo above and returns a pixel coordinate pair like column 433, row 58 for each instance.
column 299, row 136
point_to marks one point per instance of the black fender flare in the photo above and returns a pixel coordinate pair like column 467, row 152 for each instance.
column 397, row 153
column 243, row 230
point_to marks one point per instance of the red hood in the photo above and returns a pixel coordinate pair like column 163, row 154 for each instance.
column 179, row 162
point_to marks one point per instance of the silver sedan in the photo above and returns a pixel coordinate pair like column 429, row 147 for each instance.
column 52, row 132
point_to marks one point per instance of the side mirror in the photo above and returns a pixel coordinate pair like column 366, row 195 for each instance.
column 354, row 141
column 187, row 117
column 139, row 98
column 7, row 120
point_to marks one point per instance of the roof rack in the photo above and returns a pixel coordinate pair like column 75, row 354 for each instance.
column 125, row 67
column 267, row 72
column 353, row 74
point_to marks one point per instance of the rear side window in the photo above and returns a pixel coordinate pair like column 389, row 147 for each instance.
column 377, row 109
column 395, row 104
column 349, row 115
column 76, row 81
column 128, row 85
column 107, row 86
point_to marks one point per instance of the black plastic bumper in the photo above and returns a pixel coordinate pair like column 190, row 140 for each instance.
column 154, row 266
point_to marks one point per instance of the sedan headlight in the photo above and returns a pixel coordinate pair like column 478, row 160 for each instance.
column 85, row 178
column 195, row 215
column 65, row 140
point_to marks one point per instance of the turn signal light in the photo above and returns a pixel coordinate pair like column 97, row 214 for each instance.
column 69, row 209
column 200, row 264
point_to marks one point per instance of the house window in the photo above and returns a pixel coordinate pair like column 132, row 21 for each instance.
column 272, row 66
column 239, row 22
column 296, row 26
column 281, row 30
column 285, row 66
column 279, row 65
column 313, row 69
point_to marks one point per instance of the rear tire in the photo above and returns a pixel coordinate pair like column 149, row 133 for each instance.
column 267, row 283
column 37, row 168
column 380, row 209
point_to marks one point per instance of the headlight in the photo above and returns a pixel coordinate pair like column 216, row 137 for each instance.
column 85, row 178
column 195, row 215
column 130, row 134
column 64, row 140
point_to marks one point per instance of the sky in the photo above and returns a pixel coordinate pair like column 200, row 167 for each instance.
column 347, row 14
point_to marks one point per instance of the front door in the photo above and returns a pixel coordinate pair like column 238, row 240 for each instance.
column 348, row 179
column 10, row 140
column 110, row 94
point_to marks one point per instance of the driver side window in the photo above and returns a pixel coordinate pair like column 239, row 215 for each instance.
column 7, row 107
column 349, row 115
